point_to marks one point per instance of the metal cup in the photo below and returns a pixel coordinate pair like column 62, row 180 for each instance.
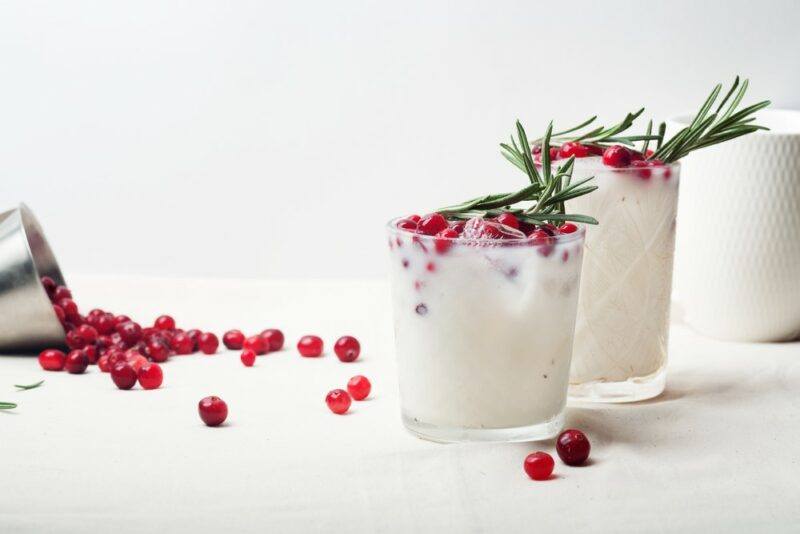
column 27, row 320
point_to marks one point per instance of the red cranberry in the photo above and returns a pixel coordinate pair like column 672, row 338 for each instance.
column 74, row 340
column 157, row 350
column 208, row 343
column 347, row 348
column 233, row 339
column 359, row 387
column 443, row 242
column 432, row 224
column 405, row 224
column 103, row 364
column 509, row 220
column 69, row 307
column 76, row 362
column 414, row 218
column 52, row 359
column 182, row 343
column 573, row 447
column 136, row 360
column 595, row 150
column 573, row 148
column 119, row 319
column 248, row 357
column 617, row 156
column 338, row 401
column 59, row 311
column 537, row 158
column 104, row 324
column 273, row 338
column 49, row 284
column 567, row 228
column 91, row 353
column 61, row 292
column 213, row 411
column 88, row 333
column 194, row 334
column 539, row 465
column 150, row 376
column 458, row 227
column 164, row 322
column 643, row 171
column 542, row 241
column 256, row 344
column 129, row 332
column 123, row 375
column 310, row 346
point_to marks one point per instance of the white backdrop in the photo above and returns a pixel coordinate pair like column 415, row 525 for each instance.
column 274, row 140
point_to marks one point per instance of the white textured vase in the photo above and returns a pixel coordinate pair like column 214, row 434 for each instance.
column 737, row 259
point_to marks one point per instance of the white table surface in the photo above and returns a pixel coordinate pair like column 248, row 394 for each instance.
column 718, row 452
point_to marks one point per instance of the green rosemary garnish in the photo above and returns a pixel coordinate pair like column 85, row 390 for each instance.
column 718, row 127
column 7, row 405
column 544, row 196
column 29, row 386
column 602, row 135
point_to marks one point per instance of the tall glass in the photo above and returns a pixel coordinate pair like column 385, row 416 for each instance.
column 483, row 331
column 620, row 352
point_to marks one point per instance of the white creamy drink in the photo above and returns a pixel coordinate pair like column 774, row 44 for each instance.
column 622, row 326
column 484, row 331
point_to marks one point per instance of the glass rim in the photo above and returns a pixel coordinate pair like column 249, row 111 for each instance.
column 577, row 235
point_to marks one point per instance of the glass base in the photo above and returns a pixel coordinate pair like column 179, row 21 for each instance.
column 631, row 390
column 442, row 434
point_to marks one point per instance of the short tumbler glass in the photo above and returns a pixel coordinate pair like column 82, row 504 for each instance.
column 483, row 332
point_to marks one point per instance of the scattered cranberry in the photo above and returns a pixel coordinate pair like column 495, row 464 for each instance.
column 573, row 447
column 273, row 338
column 182, row 343
column 347, row 348
column 509, row 220
column 88, row 333
column 91, row 353
column 157, row 350
column 76, row 362
column 69, row 307
column 52, row 359
column 194, row 334
column 208, row 343
column 539, row 465
column 248, row 357
column 310, row 346
column 103, row 364
column 359, row 387
column 443, row 242
column 136, row 360
column 130, row 332
column 338, row 401
column 61, row 292
column 74, row 340
column 573, row 148
column 119, row 319
column 150, row 375
column 123, row 375
column 213, row 411
column 256, row 344
column 233, row 339
column 104, row 324
column 432, row 224
column 164, row 322
column 49, row 284
column 617, row 156
column 567, row 228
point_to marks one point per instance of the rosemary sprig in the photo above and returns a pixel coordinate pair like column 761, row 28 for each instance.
column 29, row 386
column 7, row 405
column 543, row 197
column 717, row 127
column 601, row 135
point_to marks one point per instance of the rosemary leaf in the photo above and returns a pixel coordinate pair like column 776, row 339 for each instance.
column 29, row 386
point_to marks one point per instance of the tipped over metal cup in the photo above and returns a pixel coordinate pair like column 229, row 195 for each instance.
column 27, row 320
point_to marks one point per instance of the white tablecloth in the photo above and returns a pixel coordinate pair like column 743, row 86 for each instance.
column 718, row 452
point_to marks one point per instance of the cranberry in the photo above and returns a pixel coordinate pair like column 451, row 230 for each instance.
column 150, row 375
column 123, row 375
column 573, row 447
column 509, row 220
column 104, row 324
column 617, row 156
column 542, row 241
column 233, row 339
column 273, row 339
column 61, row 292
column 248, row 357
column 213, row 411
column 182, row 343
column 208, row 343
column 157, row 350
column 103, row 364
column 595, row 150
column 49, row 284
column 443, row 242
column 414, row 218
column 74, row 340
column 136, row 360
column 643, row 170
column 458, row 227
column 338, row 401
column 52, row 359
column 405, row 224
column 119, row 319
column 573, row 148
column 567, row 228
column 129, row 332
column 539, row 465
column 359, row 387
column 69, row 307
column 537, row 158
column 256, row 344
column 76, row 362
column 194, row 334
column 88, row 333
column 347, row 348
column 432, row 224
column 164, row 322
column 310, row 346
column 91, row 353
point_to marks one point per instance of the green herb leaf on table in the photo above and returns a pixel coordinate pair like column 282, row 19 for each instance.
column 7, row 405
column 29, row 386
